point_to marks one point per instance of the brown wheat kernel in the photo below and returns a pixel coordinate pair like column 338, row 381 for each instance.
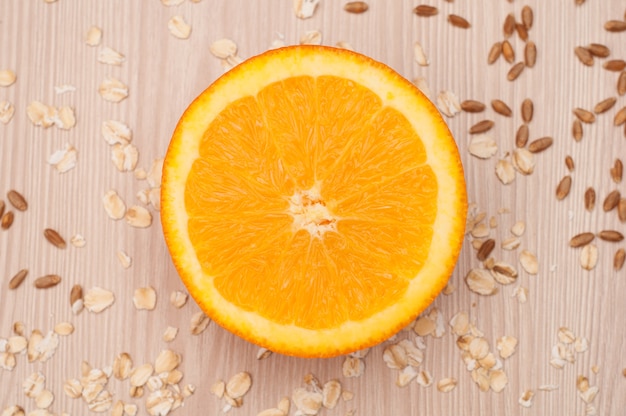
column 618, row 263
column 515, row 71
column 501, row 108
column 621, row 210
column 508, row 52
column 356, row 7
column 76, row 295
column 521, row 31
column 47, row 281
column 617, row 171
column 563, row 188
column 583, row 55
column 569, row 162
column 458, row 21
column 485, row 249
column 615, row 25
column 527, row 110
column 7, row 220
column 599, row 50
column 620, row 117
column 527, row 17
column 481, row 127
column 54, row 238
column 472, row 106
column 2, row 205
column 615, row 65
column 425, row 11
column 577, row 130
column 17, row 200
column 509, row 26
column 581, row 239
column 530, row 54
column 539, row 145
column 604, row 105
column 17, row 280
column 621, row 83
column 611, row 235
column 584, row 115
column 494, row 52
column 579, row 2
column 611, row 201
column 590, row 199
column 521, row 137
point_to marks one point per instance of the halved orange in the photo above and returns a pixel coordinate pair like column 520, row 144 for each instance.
column 313, row 201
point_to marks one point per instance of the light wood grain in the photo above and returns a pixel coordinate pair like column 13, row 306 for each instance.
column 44, row 44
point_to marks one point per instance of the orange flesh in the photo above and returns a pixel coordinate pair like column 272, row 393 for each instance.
column 364, row 198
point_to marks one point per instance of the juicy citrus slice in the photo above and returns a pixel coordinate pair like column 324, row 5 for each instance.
column 313, row 201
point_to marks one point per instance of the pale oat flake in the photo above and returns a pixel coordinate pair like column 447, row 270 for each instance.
column 305, row 9
column 122, row 366
column 521, row 293
column 64, row 328
column 179, row 28
column 7, row 77
column 172, row 2
column 589, row 257
column 125, row 157
column 223, row 48
column 448, row 103
column 480, row 281
column 110, row 56
column 78, row 241
column 47, row 346
column 114, row 205
column 526, row 399
column 529, row 262
column 199, row 323
column 34, row 384
column 6, row 111
column 405, row 376
column 64, row 88
column 420, row 55
column 523, row 161
column 422, row 84
column 140, row 375
column 218, row 388
column 154, row 174
column 113, row 90
column 138, row 217
column 311, row 37
column 44, row 399
column 170, row 334
column 93, row 36
column 352, row 367
column 98, row 299
column 65, row 118
column 238, row 385
column 482, row 146
column 145, row 299
column 125, row 260
column 116, row 132
column 446, row 385
column 506, row 346
column 178, row 299
column 64, row 159
column 505, row 171
column 41, row 114
column 498, row 380
column 307, row 402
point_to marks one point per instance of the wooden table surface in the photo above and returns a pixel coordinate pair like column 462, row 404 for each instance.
column 44, row 44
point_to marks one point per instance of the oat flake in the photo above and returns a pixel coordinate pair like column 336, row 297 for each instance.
column 64, row 159
column 113, row 90
column 6, row 111
column 98, row 299
column 93, row 36
column 179, row 28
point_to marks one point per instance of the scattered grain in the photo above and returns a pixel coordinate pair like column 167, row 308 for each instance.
column 54, row 238
column 584, row 115
column 140, row 375
column 110, row 56
column 425, row 10
column 138, row 217
column 472, row 106
column 509, row 25
column 617, row 171
column 179, row 28
column 611, row 235
column 481, row 127
column 526, row 399
column 504, row 273
column 615, row 65
column 582, row 239
column 620, row 117
column 563, row 188
column 539, row 145
column 577, row 130
column 527, row 17
column 93, row 36
column 530, row 54
column 114, row 205
column 621, row 209
column 618, row 259
column 521, row 136
column 604, row 105
column 522, row 32
column 18, row 279
column 125, row 260
column 356, row 7
column 569, row 163
column 508, row 52
column 113, row 90
column 527, row 110
column 352, row 367
column 583, row 55
column 523, row 161
column 7, row 77
column 6, row 111
column 590, row 199
column 223, row 48
column 480, row 281
column 448, row 103
column 515, row 71
column 482, row 146
column 494, row 53
column 485, row 249
column 47, row 281
column 611, row 201
column 621, row 83
column 458, row 21
column 17, row 200
column 7, row 220
column 446, row 385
